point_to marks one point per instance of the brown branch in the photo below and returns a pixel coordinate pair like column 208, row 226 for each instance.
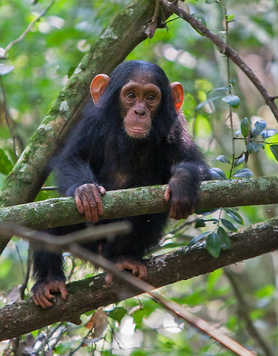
column 23, row 317
column 17, row 140
column 46, row 240
column 224, row 49
column 143, row 200
column 142, row 286
column 172, row 307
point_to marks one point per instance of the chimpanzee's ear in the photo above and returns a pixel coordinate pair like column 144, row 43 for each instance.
column 98, row 86
column 178, row 95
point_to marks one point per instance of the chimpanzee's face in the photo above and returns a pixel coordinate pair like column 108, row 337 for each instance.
column 139, row 102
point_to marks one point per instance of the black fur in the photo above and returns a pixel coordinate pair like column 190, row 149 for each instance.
column 98, row 150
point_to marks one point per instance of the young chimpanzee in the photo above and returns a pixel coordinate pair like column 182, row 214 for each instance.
column 131, row 137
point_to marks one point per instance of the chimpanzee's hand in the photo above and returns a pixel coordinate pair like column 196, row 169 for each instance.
column 88, row 201
column 182, row 197
column 43, row 292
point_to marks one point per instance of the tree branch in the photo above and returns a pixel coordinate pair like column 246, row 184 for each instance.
column 224, row 49
column 144, row 200
column 126, row 30
column 88, row 294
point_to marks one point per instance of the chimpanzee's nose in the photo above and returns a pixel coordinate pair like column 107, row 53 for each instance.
column 140, row 111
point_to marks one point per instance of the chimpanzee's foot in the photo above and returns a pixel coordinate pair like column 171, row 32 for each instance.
column 136, row 268
column 42, row 295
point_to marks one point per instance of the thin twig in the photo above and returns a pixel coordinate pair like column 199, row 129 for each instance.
column 49, row 336
column 80, row 344
column 243, row 311
column 229, row 85
column 226, row 50
column 49, row 188
column 28, row 29
column 10, row 123
column 27, row 274
column 182, row 226
column 45, row 240
column 172, row 307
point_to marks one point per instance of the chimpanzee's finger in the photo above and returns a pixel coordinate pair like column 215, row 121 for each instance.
column 167, row 194
column 96, row 193
column 78, row 201
column 102, row 189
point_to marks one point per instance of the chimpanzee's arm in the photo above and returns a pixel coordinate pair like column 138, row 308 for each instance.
column 188, row 169
column 72, row 166
column 74, row 169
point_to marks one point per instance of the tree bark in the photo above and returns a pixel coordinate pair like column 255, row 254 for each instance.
column 124, row 33
column 143, row 200
column 23, row 317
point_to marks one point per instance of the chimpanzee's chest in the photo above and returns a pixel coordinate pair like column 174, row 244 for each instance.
column 122, row 174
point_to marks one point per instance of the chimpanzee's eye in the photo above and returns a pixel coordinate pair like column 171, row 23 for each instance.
column 150, row 97
column 130, row 95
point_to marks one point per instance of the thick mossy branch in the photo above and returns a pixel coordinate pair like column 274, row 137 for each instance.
column 115, row 43
column 88, row 294
column 143, row 200
column 124, row 33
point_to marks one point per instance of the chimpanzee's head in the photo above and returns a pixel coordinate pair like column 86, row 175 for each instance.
column 138, row 92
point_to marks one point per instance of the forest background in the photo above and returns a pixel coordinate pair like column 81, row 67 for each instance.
column 233, row 123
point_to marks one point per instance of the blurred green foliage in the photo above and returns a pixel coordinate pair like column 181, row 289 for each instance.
column 31, row 77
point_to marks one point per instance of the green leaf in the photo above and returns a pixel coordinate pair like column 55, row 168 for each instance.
column 200, row 223
column 5, row 163
column 189, row 106
column 245, row 126
column 198, row 238
column 213, row 278
column 232, row 100
column 260, row 125
column 264, row 23
column 274, row 150
column 203, row 84
column 257, row 314
column 233, row 214
column 71, row 70
column 138, row 316
column 243, row 173
column 266, row 291
column 139, row 353
column 230, row 18
column 5, row 268
column 240, row 160
column 224, row 238
column 117, row 313
column 222, row 158
column 230, row 226
column 272, row 139
column 254, row 147
column 213, row 244
column 217, row 173
column 5, row 69
column 268, row 133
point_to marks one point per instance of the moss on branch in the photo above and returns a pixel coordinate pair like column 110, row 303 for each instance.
column 143, row 200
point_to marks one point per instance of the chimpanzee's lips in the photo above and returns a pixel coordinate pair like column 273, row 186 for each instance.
column 138, row 132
